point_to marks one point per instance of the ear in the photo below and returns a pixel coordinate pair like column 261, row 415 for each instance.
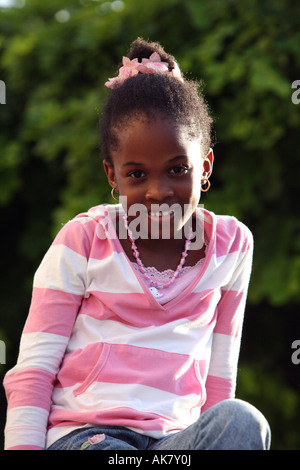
column 208, row 163
column 110, row 173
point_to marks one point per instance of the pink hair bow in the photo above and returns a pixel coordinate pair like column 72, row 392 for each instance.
column 132, row 67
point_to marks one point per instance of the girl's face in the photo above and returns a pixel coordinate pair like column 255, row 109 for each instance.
column 158, row 166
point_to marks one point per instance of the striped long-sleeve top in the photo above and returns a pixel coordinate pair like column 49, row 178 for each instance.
column 98, row 349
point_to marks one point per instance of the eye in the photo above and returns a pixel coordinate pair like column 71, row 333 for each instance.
column 136, row 174
column 179, row 170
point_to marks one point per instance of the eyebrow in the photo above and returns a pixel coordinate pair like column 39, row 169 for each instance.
column 131, row 163
column 172, row 160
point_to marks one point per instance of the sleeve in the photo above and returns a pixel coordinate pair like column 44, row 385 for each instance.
column 222, row 373
column 58, row 289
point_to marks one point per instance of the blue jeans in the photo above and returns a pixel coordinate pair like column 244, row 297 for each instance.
column 229, row 425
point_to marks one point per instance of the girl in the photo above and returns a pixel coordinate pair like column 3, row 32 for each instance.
column 133, row 334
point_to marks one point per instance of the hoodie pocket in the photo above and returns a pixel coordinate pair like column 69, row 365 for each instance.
column 100, row 363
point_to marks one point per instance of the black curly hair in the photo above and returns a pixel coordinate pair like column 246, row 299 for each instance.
column 154, row 95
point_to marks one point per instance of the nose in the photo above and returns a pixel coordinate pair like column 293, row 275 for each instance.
column 158, row 190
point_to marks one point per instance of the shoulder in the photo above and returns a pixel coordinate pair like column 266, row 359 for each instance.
column 233, row 229
column 97, row 215
column 227, row 233
column 80, row 232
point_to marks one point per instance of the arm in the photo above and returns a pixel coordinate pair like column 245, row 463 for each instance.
column 221, row 380
column 58, row 288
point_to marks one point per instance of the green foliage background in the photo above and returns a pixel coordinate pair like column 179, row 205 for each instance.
column 55, row 57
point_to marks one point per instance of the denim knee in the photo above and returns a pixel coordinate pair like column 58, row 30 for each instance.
column 228, row 425
column 244, row 423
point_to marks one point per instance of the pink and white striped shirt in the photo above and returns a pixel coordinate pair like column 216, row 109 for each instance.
column 99, row 349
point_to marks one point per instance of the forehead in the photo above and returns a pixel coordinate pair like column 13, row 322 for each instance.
column 157, row 135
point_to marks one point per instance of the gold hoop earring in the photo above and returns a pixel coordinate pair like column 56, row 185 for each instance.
column 112, row 194
column 205, row 181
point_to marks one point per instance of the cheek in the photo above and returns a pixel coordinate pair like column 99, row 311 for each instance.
column 197, row 190
column 131, row 198
column 195, row 187
column 197, row 176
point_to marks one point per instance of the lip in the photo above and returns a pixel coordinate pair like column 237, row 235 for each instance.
column 162, row 223
column 161, row 214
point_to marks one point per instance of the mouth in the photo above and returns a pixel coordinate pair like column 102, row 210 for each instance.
column 161, row 214
column 163, row 210
column 159, row 220
column 162, row 222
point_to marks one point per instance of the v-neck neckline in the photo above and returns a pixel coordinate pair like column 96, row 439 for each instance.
column 187, row 290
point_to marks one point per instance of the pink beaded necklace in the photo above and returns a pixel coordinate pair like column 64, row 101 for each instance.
column 154, row 284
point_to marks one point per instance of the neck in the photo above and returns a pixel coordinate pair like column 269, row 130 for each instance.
column 162, row 245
